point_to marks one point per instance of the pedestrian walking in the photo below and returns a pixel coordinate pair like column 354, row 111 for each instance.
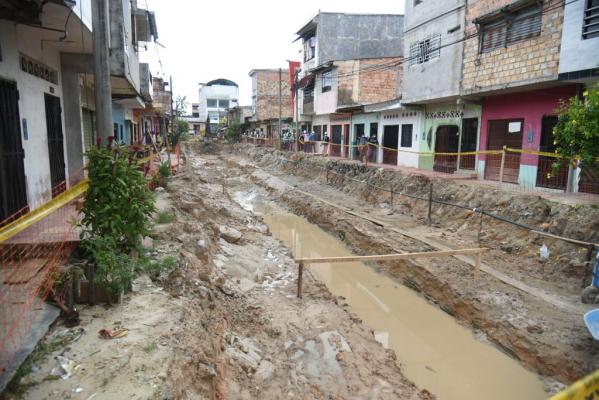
column 306, row 142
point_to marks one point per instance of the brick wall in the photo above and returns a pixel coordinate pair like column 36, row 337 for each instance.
column 267, row 100
column 530, row 61
column 368, row 81
column 379, row 84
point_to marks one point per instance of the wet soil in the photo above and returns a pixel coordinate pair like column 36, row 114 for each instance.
column 543, row 328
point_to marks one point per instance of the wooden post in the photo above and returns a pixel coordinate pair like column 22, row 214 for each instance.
column 300, row 275
column 327, row 175
column 480, row 224
column 92, row 284
column 502, row 164
column 430, row 203
column 590, row 266
column 391, row 196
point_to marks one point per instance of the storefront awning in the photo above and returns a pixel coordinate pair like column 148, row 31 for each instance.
column 307, row 80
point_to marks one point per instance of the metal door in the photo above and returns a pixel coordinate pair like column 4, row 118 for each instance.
column 446, row 141
column 55, row 144
column 13, row 191
column 390, row 143
column 336, row 140
column 546, row 175
column 499, row 136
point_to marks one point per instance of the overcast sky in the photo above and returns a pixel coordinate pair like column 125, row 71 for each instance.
column 206, row 40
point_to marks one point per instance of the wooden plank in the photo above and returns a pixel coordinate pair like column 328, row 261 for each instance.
column 390, row 257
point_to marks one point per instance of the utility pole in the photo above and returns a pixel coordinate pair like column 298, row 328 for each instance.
column 295, row 86
column 168, row 153
column 280, row 104
column 103, row 92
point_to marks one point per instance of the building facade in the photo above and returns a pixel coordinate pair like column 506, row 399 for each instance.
column 271, row 99
column 46, row 78
column 216, row 98
column 511, row 64
column 348, row 61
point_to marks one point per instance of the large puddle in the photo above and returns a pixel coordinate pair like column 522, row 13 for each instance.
column 435, row 352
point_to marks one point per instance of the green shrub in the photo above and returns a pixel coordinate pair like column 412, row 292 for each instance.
column 164, row 217
column 116, row 216
column 165, row 169
column 118, row 204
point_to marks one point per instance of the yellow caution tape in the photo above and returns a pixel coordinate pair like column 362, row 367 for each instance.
column 533, row 152
column 586, row 388
column 24, row 222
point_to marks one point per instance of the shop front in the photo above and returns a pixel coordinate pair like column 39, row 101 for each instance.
column 450, row 128
column 523, row 124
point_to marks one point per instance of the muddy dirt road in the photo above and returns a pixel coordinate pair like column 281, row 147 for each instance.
column 225, row 323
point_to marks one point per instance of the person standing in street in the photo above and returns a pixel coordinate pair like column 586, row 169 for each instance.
column 372, row 147
column 325, row 144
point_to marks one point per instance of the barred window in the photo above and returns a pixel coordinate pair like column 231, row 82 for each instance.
column 327, row 81
column 590, row 24
column 512, row 28
column 425, row 50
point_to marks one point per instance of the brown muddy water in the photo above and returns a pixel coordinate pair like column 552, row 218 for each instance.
column 435, row 352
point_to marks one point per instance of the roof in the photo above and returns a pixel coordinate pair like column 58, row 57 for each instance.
column 283, row 70
column 222, row 82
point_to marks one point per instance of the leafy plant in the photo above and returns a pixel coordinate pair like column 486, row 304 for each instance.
column 114, row 269
column 165, row 169
column 164, row 217
column 576, row 134
column 234, row 132
column 118, row 204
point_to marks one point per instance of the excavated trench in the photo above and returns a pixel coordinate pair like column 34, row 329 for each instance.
column 434, row 351
column 551, row 341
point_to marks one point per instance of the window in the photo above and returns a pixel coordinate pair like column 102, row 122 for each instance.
column 406, row 135
column 374, row 128
column 590, row 23
column 309, row 94
column 416, row 2
column 309, row 48
column 513, row 28
column 425, row 50
column 223, row 103
column 211, row 103
column 195, row 114
column 327, row 81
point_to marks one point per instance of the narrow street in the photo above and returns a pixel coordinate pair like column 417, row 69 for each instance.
column 227, row 323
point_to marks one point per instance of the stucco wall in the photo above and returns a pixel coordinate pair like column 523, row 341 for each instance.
column 15, row 39
column 351, row 37
column 529, row 106
column 577, row 54
column 439, row 77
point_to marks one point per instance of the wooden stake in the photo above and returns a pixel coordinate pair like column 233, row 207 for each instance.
column 300, row 276
column 480, row 225
column 502, row 164
column 430, row 204
column 387, row 257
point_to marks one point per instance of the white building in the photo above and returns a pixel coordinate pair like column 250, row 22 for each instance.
column 216, row 98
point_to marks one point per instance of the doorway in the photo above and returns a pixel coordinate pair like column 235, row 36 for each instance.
column 13, row 190
column 55, row 144
column 390, row 143
column 447, row 141
column 346, row 142
column 546, row 176
column 504, row 133
column 336, row 140
column 469, row 136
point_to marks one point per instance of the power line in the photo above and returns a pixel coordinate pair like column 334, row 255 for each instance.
column 397, row 63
